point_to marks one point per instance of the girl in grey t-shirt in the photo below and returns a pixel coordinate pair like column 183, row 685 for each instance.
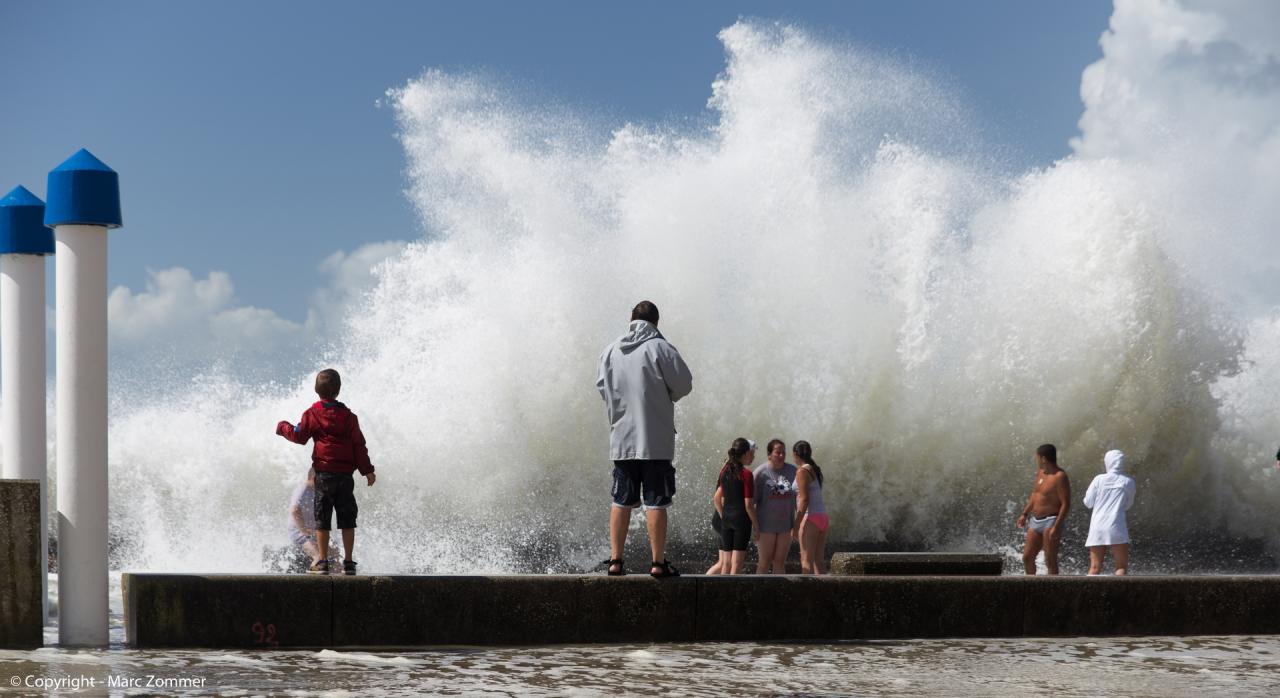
column 775, row 495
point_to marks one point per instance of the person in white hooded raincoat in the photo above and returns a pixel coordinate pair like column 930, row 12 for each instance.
column 641, row 377
column 1109, row 496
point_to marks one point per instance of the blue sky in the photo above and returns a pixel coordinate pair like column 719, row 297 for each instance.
column 248, row 138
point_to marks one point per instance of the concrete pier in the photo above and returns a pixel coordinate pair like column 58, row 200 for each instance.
column 22, row 565
column 961, row 564
column 198, row 610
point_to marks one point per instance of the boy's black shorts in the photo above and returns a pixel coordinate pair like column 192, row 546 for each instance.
column 335, row 491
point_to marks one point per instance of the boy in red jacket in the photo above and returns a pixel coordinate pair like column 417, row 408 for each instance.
column 339, row 450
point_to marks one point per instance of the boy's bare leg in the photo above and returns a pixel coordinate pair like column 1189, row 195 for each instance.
column 657, row 520
column 736, row 560
column 322, row 540
column 1097, row 555
column 348, row 541
column 619, row 521
column 1035, row 541
column 1120, row 554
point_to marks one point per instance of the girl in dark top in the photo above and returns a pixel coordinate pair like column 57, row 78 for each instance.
column 736, row 505
column 722, row 562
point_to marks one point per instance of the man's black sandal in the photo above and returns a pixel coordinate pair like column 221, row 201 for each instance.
column 622, row 569
column 668, row 570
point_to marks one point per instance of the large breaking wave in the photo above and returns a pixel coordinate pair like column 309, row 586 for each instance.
column 837, row 262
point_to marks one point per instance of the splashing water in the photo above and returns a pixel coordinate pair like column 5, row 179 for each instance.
column 836, row 261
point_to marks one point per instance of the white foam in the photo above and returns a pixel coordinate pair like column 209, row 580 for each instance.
column 363, row 658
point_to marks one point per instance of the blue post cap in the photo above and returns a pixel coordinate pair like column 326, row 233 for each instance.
column 83, row 191
column 22, row 229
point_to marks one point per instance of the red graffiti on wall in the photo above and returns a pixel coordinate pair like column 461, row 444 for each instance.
column 264, row 634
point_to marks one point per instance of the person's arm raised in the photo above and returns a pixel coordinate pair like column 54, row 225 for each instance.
column 299, row 434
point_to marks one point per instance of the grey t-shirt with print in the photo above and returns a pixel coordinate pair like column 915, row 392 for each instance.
column 775, row 495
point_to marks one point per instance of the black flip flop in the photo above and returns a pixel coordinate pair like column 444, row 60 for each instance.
column 668, row 570
column 622, row 568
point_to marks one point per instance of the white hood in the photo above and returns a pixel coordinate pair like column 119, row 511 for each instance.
column 1114, row 462
column 638, row 332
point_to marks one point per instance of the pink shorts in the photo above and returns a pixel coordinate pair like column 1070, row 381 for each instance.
column 822, row 521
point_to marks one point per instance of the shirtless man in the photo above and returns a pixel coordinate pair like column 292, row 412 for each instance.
column 1046, row 511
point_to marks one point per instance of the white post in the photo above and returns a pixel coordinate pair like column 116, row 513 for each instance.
column 22, row 366
column 82, row 434
column 24, row 241
column 84, row 201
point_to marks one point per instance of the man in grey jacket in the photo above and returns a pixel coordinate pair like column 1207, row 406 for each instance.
column 641, row 377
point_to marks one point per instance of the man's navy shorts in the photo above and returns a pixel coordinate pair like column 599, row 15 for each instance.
column 335, row 492
column 652, row 480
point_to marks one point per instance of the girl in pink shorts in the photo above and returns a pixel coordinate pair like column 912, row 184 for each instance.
column 811, row 513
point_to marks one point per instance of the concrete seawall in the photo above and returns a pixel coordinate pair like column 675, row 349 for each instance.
column 22, row 565
column 194, row 610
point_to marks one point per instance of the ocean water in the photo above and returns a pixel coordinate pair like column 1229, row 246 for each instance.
column 1154, row 666
column 841, row 256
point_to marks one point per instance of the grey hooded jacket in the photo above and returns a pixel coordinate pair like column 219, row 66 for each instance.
column 641, row 377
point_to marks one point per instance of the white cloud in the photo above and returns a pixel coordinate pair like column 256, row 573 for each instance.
column 1188, row 94
column 1184, row 75
column 184, row 320
column 178, row 306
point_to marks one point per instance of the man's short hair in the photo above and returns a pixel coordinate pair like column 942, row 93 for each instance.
column 646, row 311
column 328, row 384
column 1048, row 452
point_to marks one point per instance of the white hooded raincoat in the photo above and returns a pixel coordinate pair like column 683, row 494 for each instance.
column 1110, row 496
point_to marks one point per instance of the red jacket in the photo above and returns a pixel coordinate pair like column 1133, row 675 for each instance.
column 339, row 444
